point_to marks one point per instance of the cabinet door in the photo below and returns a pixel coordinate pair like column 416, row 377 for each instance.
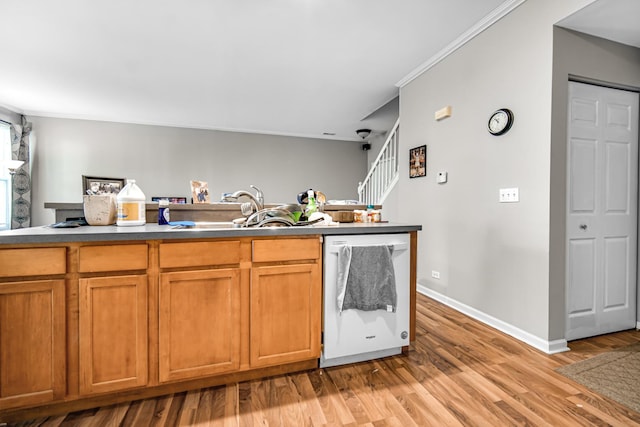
column 113, row 333
column 199, row 323
column 32, row 342
column 285, row 314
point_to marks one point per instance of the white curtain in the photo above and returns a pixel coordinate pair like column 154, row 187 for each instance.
column 21, row 185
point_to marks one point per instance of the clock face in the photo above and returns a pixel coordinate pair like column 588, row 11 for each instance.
column 500, row 121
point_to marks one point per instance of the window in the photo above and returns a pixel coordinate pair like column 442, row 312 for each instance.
column 5, row 178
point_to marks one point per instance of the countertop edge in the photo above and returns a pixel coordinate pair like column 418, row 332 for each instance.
column 213, row 206
column 45, row 234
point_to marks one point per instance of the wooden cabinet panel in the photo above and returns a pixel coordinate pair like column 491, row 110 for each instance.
column 198, row 254
column 199, row 325
column 286, row 249
column 113, row 333
column 285, row 314
column 32, row 262
column 32, row 342
column 94, row 259
column 218, row 308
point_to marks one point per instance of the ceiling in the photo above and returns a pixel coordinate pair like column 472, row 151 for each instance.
column 615, row 20
column 286, row 67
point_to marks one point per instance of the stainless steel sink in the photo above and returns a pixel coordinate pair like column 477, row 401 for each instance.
column 221, row 224
column 266, row 221
column 207, row 225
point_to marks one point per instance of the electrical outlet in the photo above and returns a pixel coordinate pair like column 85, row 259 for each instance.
column 509, row 195
column 435, row 274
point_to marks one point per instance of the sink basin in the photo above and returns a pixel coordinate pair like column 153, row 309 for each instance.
column 269, row 221
column 206, row 225
column 222, row 224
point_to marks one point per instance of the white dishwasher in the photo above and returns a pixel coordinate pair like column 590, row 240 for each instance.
column 355, row 335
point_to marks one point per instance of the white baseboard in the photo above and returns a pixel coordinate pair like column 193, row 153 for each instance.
column 549, row 347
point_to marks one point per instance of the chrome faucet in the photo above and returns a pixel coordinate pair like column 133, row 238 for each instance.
column 259, row 196
column 257, row 200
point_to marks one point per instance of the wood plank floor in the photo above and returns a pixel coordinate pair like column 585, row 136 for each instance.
column 459, row 372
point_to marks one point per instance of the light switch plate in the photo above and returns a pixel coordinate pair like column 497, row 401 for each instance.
column 441, row 178
column 509, row 195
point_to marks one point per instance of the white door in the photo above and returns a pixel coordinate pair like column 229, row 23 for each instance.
column 602, row 204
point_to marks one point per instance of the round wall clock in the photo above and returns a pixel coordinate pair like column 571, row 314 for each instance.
column 500, row 121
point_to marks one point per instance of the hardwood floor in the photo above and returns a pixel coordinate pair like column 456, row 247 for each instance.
column 459, row 372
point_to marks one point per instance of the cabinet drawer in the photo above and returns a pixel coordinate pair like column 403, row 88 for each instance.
column 196, row 254
column 112, row 258
column 285, row 249
column 32, row 262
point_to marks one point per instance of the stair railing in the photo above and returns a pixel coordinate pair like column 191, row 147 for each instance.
column 383, row 175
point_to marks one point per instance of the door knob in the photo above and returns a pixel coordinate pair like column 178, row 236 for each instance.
column 583, row 226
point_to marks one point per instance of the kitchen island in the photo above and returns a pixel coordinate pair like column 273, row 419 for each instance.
column 97, row 315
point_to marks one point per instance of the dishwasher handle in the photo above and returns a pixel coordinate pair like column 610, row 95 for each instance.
column 396, row 246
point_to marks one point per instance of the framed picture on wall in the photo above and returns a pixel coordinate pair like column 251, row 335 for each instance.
column 418, row 162
column 200, row 192
column 99, row 185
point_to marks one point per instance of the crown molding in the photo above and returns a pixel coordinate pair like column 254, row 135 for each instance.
column 494, row 16
column 194, row 126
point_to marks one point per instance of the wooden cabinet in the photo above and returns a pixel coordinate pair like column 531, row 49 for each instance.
column 199, row 254
column 285, row 301
column 31, row 262
column 133, row 318
column 113, row 318
column 199, row 323
column 113, row 333
column 32, row 342
column 199, row 309
column 32, row 327
column 110, row 258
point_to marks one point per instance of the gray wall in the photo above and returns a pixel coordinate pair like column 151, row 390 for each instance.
column 164, row 159
column 593, row 58
column 9, row 116
column 381, row 122
column 493, row 257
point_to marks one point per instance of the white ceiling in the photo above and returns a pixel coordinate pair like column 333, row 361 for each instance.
column 289, row 67
column 617, row 20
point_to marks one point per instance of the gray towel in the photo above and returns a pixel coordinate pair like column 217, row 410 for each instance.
column 366, row 280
